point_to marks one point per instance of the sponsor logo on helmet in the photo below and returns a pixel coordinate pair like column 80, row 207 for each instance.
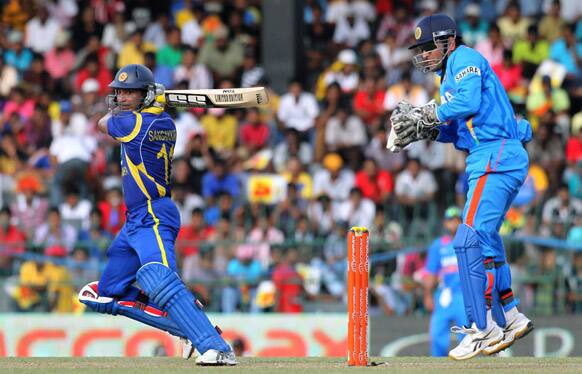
column 417, row 33
column 122, row 77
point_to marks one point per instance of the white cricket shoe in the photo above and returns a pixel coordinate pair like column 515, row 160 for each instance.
column 187, row 348
column 515, row 329
column 212, row 357
column 475, row 341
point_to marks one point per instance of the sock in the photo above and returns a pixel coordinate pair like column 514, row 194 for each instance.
column 511, row 314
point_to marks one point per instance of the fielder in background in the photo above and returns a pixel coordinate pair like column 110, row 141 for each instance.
column 442, row 286
column 144, row 248
column 475, row 115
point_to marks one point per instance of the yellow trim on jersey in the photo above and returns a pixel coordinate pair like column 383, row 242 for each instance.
column 134, row 170
column 134, row 132
column 157, row 232
column 152, row 110
column 471, row 130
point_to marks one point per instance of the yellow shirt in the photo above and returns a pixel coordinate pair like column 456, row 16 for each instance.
column 304, row 183
column 55, row 278
column 220, row 132
column 131, row 54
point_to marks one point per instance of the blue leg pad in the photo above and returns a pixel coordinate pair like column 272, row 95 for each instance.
column 506, row 297
column 472, row 274
column 164, row 287
column 132, row 307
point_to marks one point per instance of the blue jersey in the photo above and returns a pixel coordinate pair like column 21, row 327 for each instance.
column 147, row 146
column 474, row 103
column 442, row 262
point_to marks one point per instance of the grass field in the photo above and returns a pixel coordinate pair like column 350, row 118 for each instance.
column 421, row 365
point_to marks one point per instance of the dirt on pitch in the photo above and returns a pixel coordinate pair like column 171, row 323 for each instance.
column 419, row 365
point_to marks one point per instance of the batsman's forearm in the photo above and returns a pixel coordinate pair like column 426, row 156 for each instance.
column 102, row 123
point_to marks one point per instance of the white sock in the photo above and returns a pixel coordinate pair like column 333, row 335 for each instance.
column 511, row 314
column 490, row 320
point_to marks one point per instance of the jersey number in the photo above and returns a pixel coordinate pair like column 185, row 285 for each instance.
column 167, row 156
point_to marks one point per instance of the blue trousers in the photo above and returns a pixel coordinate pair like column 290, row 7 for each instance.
column 440, row 322
column 148, row 235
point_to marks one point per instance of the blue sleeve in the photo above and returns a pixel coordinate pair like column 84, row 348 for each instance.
column 207, row 185
column 467, row 70
column 448, row 133
column 232, row 186
column 433, row 261
column 124, row 127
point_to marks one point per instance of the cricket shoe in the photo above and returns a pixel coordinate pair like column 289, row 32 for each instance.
column 213, row 357
column 515, row 329
column 475, row 341
column 187, row 348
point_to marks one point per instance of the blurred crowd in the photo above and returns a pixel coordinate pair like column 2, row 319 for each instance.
column 266, row 195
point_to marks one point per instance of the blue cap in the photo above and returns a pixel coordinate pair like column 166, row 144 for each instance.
column 437, row 25
column 453, row 212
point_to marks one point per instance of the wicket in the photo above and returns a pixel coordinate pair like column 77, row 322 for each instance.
column 358, row 250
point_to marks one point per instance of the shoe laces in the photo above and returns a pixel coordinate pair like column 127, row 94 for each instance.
column 463, row 330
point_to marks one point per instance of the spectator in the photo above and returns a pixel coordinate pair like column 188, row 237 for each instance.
column 513, row 25
column 170, row 55
column 333, row 180
column 530, row 52
column 42, row 31
column 376, row 149
column 195, row 74
column 510, row 75
column 369, row 103
column 96, row 240
column 405, row 90
column 350, row 30
column 16, row 54
column 551, row 24
column 199, row 158
column 156, row 32
column 493, row 46
column 192, row 33
column 244, row 271
column 133, row 51
column 473, row 28
column 85, row 27
column 116, row 32
column 112, row 210
column 320, row 214
column 415, row 187
column 345, row 134
column 190, row 239
column 221, row 129
column 71, row 152
column 254, row 133
column 288, row 284
column 560, row 211
column 298, row 177
column 288, row 213
column 92, row 69
column 298, row 109
column 546, row 149
column 59, row 62
column 549, row 99
column 218, row 180
column 374, row 183
column 37, row 78
column 357, row 210
column 252, row 73
column 224, row 207
column 55, row 232
column 346, row 75
column 223, row 56
column 568, row 50
column 398, row 23
column 74, row 210
column 12, row 241
column 393, row 56
column 574, row 148
column 8, row 77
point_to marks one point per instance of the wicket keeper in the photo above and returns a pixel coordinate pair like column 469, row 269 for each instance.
column 475, row 115
column 144, row 248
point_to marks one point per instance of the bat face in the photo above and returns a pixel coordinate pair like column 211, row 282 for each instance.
column 217, row 98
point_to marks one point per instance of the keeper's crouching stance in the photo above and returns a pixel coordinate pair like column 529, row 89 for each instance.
column 144, row 248
column 475, row 115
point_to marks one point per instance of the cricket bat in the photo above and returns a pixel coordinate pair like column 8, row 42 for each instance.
column 217, row 98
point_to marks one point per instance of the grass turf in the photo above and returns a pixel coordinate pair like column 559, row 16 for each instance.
column 420, row 365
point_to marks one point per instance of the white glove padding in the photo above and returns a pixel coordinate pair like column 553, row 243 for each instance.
column 399, row 120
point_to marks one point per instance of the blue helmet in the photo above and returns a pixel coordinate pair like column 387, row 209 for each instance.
column 133, row 77
column 432, row 33
column 432, row 28
column 136, row 77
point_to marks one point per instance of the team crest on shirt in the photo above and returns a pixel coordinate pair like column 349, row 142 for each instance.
column 467, row 71
column 417, row 33
column 122, row 77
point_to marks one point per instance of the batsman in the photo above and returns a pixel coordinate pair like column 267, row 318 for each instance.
column 143, row 251
column 475, row 115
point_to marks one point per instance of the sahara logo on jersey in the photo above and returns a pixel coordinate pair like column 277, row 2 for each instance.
column 466, row 71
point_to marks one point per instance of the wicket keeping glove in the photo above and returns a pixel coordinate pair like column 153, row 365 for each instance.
column 410, row 124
